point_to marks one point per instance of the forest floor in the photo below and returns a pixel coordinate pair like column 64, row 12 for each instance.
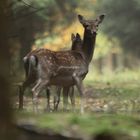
column 111, row 108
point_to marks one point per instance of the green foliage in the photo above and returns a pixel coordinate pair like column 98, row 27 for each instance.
column 49, row 12
column 122, row 21
column 105, row 45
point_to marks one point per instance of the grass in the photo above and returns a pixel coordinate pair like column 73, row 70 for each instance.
column 112, row 106
column 127, row 77
column 88, row 124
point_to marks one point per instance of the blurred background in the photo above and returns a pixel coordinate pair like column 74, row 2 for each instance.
column 49, row 24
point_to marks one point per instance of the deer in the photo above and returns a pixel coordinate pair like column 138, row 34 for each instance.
column 76, row 46
column 65, row 68
column 31, row 75
column 88, row 45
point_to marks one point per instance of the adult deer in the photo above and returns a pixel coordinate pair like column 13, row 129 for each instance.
column 31, row 77
column 91, row 27
column 65, row 68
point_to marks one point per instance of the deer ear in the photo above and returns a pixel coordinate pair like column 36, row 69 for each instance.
column 72, row 36
column 101, row 17
column 78, row 36
column 81, row 18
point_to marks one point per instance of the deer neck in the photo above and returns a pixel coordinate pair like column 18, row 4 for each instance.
column 88, row 45
column 73, row 46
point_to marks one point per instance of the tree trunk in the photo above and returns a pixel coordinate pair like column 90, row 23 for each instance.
column 5, row 111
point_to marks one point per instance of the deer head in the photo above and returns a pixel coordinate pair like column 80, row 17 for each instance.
column 76, row 42
column 91, row 25
column 75, row 38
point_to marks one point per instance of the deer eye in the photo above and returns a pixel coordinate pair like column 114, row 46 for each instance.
column 87, row 24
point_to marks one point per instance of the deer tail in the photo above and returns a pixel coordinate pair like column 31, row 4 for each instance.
column 26, row 65
column 33, row 61
column 30, row 63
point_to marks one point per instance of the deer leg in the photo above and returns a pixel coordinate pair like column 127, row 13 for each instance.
column 48, row 99
column 72, row 98
column 35, row 92
column 57, row 98
column 21, row 94
column 80, row 88
column 65, row 97
column 41, row 84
